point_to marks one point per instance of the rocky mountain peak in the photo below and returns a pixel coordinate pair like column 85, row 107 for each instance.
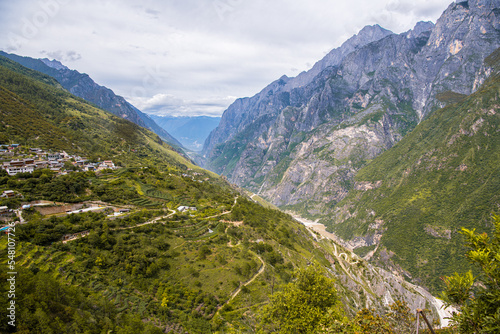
column 368, row 34
column 422, row 27
column 479, row 4
column 377, row 82
column 55, row 64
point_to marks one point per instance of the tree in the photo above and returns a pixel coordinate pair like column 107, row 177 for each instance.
column 368, row 322
column 477, row 298
column 305, row 305
column 400, row 316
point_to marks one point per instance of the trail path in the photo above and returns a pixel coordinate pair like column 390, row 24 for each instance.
column 79, row 236
column 261, row 270
column 146, row 223
column 152, row 222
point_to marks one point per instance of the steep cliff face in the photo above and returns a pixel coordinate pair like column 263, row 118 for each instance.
column 272, row 99
column 300, row 141
column 83, row 86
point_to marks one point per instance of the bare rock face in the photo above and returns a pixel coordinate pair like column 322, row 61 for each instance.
column 301, row 141
column 275, row 97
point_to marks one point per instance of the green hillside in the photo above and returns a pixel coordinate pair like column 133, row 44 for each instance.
column 442, row 176
column 112, row 251
column 172, row 269
column 36, row 112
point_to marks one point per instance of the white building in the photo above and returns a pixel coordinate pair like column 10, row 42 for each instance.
column 13, row 170
column 186, row 208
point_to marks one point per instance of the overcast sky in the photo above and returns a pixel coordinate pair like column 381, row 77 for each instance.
column 194, row 57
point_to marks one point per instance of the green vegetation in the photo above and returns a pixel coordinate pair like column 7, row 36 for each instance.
column 305, row 306
column 310, row 304
column 156, row 268
column 43, row 183
column 152, row 268
column 443, row 175
column 171, row 270
column 477, row 298
column 450, row 97
column 51, row 307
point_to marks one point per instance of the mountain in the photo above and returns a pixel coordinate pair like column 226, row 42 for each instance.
column 300, row 148
column 367, row 35
column 37, row 110
column 244, row 112
column 191, row 131
column 407, row 206
column 83, row 86
column 140, row 263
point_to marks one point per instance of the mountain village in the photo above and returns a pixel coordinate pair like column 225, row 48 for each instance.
column 16, row 159
column 28, row 159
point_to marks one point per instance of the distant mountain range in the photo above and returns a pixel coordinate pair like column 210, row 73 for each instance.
column 190, row 131
column 301, row 141
column 83, row 86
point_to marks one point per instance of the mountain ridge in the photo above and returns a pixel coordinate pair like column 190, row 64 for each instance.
column 82, row 85
column 439, row 178
column 286, row 84
column 380, row 91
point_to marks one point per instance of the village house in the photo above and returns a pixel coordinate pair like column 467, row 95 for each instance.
column 90, row 167
column 9, row 194
column 53, row 156
column 41, row 155
column 110, row 164
column 4, row 211
column 19, row 166
column 183, row 208
column 80, row 163
column 41, row 164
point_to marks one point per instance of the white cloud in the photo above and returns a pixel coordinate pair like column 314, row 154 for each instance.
column 194, row 53
column 167, row 104
column 68, row 56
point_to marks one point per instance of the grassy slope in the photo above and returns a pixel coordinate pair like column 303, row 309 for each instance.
column 175, row 262
column 442, row 176
column 38, row 113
